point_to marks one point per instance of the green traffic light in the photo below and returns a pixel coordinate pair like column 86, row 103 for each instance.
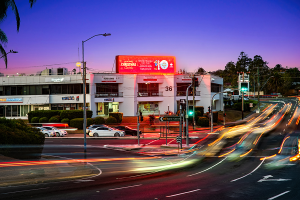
column 191, row 113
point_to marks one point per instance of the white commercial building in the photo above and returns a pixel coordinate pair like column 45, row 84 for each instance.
column 150, row 93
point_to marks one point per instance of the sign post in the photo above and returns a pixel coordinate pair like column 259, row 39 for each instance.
column 179, row 140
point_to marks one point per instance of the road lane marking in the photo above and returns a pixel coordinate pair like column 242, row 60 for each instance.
column 278, row 195
column 250, row 172
column 126, row 187
column 25, row 190
column 183, row 193
column 266, row 178
column 208, row 168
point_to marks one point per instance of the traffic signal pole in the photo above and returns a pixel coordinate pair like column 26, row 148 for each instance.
column 187, row 116
column 243, row 99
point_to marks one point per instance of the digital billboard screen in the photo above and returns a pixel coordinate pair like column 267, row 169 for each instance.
column 145, row 64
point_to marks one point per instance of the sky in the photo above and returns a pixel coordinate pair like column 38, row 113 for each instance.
column 199, row 33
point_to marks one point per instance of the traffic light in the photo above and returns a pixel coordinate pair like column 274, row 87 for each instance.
column 209, row 109
column 190, row 112
column 244, row 86
column 196, row 83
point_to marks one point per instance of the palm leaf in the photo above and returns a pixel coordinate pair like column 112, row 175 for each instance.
column 3, row 37
column 4, row 55
column 15, row 9
column 31, row 2
column 3, row 9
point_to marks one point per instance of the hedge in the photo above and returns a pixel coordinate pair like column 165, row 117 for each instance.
column 117, row 115
column 54, row 119
column 78, row 122
column 99, row 120
column 65, row 120
column 35, row 120
column 43, row 120
column 70, row 114
column 17, row 132
column 111, row 120
column 203, row 121
column 43, row 113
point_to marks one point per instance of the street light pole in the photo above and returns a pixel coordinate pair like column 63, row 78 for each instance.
column 84, row 87
column 187, row 116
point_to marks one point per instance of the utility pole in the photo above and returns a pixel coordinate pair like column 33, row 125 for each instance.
column 193, row 101
column 187, row 116
column 243, row 98
column 258, row 84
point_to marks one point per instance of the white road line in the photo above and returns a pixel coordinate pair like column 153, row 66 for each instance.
column 126, row 187
column 208, row 168
column 250, row 172
column 151, row 142
column 278, row 195
column 183, row 193
column 25, row 190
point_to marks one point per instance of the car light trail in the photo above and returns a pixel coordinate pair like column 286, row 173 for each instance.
column 249, row 173
column 246, row 153
column 265, row 158
column 207, row 168
column 226, row 153
column 282, row 144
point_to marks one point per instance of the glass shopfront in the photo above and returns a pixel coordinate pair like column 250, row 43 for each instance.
column 104, row 108
column 15, row 110
column 149, row 107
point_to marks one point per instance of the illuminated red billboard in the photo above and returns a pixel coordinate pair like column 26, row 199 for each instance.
column 145, row 64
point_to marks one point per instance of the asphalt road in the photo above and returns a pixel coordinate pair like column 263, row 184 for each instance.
column 263, row 173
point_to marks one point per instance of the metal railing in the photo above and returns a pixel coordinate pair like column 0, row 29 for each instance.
column 108, row 94
column 183, row 93
column 149, row 94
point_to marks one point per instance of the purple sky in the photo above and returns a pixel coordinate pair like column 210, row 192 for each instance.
column 198, row 33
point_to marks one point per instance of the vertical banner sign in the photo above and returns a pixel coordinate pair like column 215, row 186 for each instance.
column 145, row 64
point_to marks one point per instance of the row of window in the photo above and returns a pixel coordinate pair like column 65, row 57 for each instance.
column 43, row 89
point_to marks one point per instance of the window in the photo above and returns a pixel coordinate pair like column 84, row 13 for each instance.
column 1, row 92
column 215, row 87
column 150, row 89
column 77, row 89
column 32, row 90
column 181, row 89
column 106, row 88
column 64, row 89
column 55, row 89
column 19, row 90
column 13, row 90
column 45, row 89
column 7, row 90
column 38, row 89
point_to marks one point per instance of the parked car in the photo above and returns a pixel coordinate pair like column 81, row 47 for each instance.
column 128, row 130
column 106, row 131
column 47, row 133
column 93, row 126
column 58, row 132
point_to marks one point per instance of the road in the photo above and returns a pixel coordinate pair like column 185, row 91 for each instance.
column 250, row 161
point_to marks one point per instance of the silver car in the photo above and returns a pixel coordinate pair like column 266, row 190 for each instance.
column 47, row 133
column 58, row 132
column 106, row 132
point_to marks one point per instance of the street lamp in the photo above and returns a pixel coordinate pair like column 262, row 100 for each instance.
column 84, row 90
column 11, row 51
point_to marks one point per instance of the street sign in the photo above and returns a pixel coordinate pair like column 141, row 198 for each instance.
column 169, row 118
column 182, row 101
column 178, row 139
column 250, row 105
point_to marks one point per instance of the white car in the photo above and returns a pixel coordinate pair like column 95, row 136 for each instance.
column 47, row 133
column 106, row 131
column 59, row 132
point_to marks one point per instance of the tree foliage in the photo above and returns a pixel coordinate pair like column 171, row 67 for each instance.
column 4, row 5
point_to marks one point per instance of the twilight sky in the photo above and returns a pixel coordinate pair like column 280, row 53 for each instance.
column 199, row 33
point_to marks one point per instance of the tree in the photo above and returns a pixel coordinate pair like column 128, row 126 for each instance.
column 4, row 5
column 200, row 70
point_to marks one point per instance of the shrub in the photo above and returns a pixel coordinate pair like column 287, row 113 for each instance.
column 72, row 114
column 17, row 132
column 78, row 122
column 35, row 120
column 43, row 120
column 65, row 120
column 200, row 109
column 117, row 115
column 111, row 120
column 203, row 121
column 43, row 113
column 54, row 119
column 99, row 120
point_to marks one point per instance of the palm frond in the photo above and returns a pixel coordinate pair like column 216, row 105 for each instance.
column 31, row 2
column 3, row 9
column 4, row 55
column 3, row 37
column 15, row 9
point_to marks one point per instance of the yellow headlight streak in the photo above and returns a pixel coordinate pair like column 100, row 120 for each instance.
column 246, row 153
column 265, row 158
column 283, row 144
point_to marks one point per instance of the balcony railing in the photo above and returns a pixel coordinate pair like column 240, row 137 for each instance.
column 183, row 93
column 108, row 94
column 149, row 94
